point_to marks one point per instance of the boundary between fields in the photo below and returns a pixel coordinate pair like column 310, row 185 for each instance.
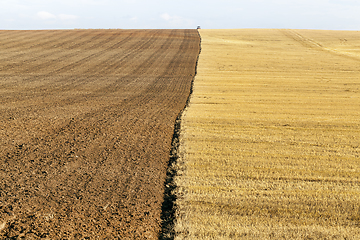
column 168, row 207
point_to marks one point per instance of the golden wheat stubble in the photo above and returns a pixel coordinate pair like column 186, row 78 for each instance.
column 270, row 140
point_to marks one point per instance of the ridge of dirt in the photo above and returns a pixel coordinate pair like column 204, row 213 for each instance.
column 169, row 204
column 86, row 128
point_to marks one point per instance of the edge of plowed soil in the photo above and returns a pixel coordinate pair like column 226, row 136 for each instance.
column 168, row 207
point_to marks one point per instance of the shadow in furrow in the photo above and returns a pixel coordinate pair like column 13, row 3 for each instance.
column 168, row 208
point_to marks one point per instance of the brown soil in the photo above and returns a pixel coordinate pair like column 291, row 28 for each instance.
column 86, row 122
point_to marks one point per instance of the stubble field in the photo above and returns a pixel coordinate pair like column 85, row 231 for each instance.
column 86, row 122
column 270, row 143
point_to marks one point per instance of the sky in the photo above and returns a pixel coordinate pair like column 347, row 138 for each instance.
column 159, row 14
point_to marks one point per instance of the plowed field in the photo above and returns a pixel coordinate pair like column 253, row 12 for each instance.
column 86, row 122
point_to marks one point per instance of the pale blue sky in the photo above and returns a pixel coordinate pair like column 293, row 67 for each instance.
column 209, row 14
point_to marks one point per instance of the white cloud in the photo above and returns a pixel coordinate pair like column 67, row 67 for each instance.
column 67, row 17
column 165, row 16
column 176, row 21
column 93, row 2
column 45, row 15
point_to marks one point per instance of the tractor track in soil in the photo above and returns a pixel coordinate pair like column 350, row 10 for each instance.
column 312, row 44
column 85, row 140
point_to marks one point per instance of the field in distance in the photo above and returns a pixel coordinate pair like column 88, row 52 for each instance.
column 86, row 122
column 270, row 143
